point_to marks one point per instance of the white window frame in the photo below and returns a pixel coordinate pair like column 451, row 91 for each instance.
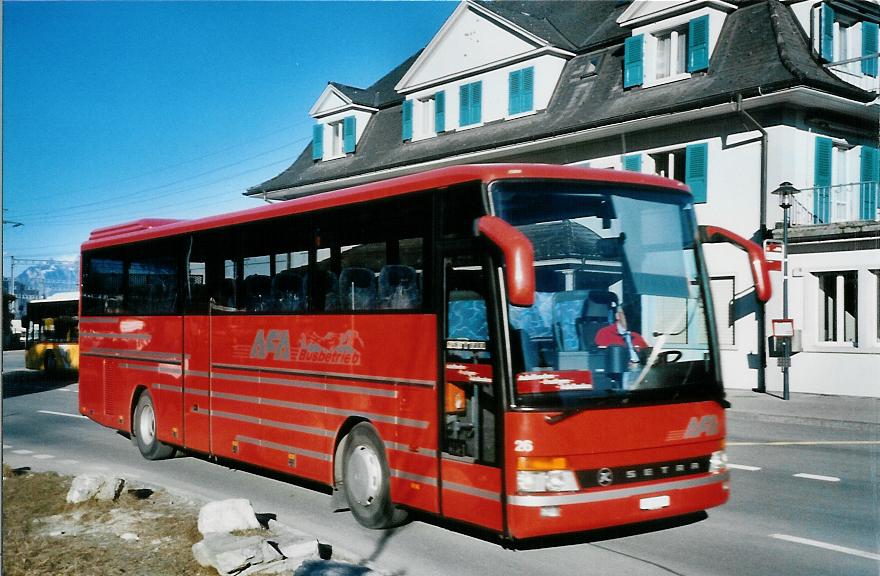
column 839, row 313
column 336, row 140
column 424, row 120
column 676, row 59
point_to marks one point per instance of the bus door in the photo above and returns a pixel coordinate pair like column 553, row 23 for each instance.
column 471, row 488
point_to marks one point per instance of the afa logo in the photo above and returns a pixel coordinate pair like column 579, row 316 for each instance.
column 274, row 342
column 705, row 425
column 331, row 348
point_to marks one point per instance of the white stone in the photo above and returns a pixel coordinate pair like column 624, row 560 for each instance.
column 227, row 553
column 110, row 489
column 83, row 488
column 269, row 552
column 129, row 536
column 285, row 567
column 227, row 516
column 235, row 560
column 299, row 549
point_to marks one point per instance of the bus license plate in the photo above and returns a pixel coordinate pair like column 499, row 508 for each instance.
column 655, row 503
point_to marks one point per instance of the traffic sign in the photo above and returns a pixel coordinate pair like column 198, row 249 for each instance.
column 773, row 253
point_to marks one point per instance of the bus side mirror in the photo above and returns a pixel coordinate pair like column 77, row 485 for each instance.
column 519, row 256
column 759, row 265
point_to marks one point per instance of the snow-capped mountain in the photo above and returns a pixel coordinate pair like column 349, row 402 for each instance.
column 50, row 278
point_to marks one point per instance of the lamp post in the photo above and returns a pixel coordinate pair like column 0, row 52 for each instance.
column 785, row 192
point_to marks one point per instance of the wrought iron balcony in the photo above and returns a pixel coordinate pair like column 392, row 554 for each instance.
column 838, row 203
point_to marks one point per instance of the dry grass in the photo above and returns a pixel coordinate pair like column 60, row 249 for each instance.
column 42, row 534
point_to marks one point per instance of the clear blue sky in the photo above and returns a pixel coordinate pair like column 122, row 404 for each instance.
column 119, row 111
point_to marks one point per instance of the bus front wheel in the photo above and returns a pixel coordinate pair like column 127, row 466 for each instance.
column 144, row 430
column 366, row 478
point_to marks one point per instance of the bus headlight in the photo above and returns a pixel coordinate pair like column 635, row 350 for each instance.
column 546, row 481
column 718, row 462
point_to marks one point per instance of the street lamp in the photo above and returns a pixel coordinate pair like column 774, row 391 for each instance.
column 786, row 194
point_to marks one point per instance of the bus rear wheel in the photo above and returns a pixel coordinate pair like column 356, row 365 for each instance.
column 366, row 479
column 144, row 430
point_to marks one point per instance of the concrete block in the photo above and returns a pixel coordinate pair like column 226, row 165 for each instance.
column 227, row 516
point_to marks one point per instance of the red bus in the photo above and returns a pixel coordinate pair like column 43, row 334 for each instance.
column 430, row 342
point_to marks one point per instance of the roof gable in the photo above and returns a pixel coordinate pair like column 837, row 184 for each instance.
column 331, row 100
column 644, row 11
column 472, row 39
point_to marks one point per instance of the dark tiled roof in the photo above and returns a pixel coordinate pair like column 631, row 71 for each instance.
column 382, row 92
column 571, row 25
column 760, row 48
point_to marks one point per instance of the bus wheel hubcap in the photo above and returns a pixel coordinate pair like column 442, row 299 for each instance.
column 147, row 426
column 364, row 475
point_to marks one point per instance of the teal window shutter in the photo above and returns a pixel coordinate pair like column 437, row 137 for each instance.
column 869, row 47
column 514, row 92
column 477, row 102
column 870, row 174
column 632, row 162
column 826, row 33
column 698, row 44
column 470, row 103
column 633, row 57
column 407, row 119
column 521, row 84
column 464, row 105
column 696, row 169
column 440, row 112
column 822, row 181
column 317, row 141
column 348, row 129
column 528, row 89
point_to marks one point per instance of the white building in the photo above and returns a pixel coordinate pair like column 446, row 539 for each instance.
column 732, row 97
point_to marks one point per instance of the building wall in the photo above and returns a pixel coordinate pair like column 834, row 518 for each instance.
column 848, row 368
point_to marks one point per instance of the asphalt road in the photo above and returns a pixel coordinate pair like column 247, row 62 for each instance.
column 805, row 500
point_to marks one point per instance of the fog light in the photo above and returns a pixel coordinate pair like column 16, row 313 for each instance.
column 718, row 462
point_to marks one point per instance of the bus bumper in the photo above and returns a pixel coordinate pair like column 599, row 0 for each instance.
column 546, row 514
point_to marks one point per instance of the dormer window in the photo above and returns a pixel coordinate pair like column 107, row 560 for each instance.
column 845, row 41
column 669, row 44
column 671, row 53
column 424, row 117
column 339, row 136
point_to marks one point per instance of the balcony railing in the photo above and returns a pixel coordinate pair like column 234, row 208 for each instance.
column 838, row 203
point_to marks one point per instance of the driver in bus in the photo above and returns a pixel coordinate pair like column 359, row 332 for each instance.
column 618, row 334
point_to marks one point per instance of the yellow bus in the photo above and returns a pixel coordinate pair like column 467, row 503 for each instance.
column 52, row 338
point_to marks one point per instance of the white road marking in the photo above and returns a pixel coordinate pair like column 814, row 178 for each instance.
column 818, row 477
column 22, row 452
column 43, row 456
column 61, row 414
column 6, row 446
column 743, row 467
column 809, row 443
column 827, row 546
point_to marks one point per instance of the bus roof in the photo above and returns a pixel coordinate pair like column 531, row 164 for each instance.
column 147, row 229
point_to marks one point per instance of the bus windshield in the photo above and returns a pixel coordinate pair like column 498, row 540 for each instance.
column 619, row 311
